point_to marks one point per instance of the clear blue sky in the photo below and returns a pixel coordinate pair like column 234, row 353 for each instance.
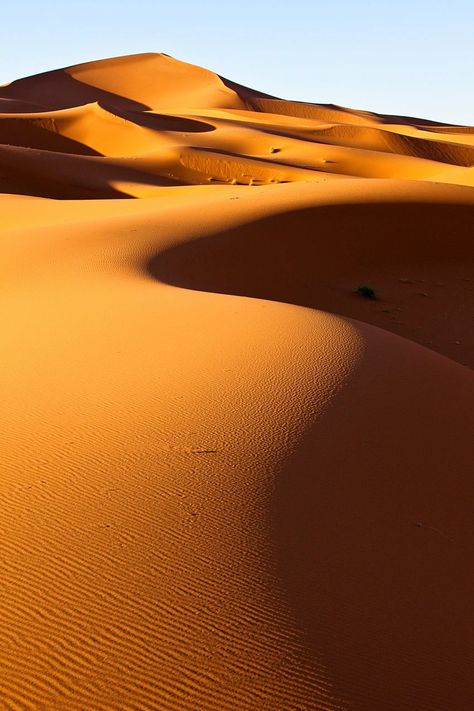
column 409, row 57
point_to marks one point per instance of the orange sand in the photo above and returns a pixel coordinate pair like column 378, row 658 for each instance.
column 228, row 481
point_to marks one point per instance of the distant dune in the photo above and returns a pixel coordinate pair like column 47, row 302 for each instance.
column 237, row 424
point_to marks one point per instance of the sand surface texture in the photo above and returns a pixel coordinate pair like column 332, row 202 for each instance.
column 229, row 481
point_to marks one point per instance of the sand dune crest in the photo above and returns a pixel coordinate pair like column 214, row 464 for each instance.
column 230, row 481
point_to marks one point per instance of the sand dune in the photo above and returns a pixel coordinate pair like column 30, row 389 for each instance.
column 228, row 480
column 210, row 129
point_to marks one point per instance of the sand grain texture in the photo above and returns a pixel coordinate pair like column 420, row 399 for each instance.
column 228, row 480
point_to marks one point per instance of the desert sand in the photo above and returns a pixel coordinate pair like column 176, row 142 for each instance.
column 230, row 481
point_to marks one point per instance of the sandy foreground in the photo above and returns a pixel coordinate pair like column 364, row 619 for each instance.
column 228, row 480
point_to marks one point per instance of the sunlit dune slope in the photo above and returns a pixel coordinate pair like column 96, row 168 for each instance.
column 194, row 128
column 228, row 480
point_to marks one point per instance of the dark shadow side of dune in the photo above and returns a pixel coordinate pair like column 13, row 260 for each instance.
column 372, row 523
column 53, row 91
column 318, row 257
column 59, row 90
column 248, row 94
column 371, row 517
column 166, row 122
column 62, row 176
column 23, row 133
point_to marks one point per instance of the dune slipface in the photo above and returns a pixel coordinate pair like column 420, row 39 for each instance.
column 229, row 479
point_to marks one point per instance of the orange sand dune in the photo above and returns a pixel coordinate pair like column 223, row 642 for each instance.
column 229, row 481
column 211, row 130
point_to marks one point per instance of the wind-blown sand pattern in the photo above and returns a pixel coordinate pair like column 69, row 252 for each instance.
column 228, row 480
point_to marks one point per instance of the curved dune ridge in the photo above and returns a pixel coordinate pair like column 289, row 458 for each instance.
column 230, row 481
column 124, row 127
